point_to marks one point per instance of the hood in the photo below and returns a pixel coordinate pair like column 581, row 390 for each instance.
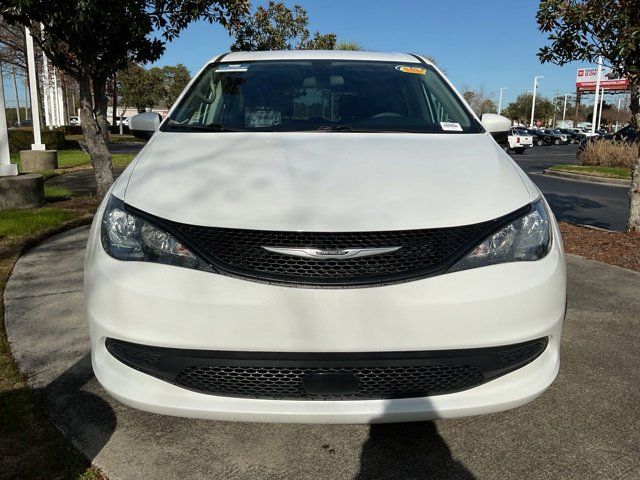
column 317, row 181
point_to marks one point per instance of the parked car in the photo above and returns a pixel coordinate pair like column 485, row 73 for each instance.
column 574, row 136
column 539, row 137
column 25, row 122
column 559, row 138
column 320, row 236
column 123, row 120
column 74, row 120
column 519, row 142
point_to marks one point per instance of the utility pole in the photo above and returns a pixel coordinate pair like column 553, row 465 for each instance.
column 595, row 100
column 15, row 91
column 500, row 101
column 533, row 101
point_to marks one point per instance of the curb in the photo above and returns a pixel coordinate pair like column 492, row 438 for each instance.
column 587, row 178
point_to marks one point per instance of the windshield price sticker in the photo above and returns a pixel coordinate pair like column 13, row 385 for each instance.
column 451, row 126
column 416, row 70
column 232, row 68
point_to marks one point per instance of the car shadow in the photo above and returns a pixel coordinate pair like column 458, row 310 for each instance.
column 411, row 450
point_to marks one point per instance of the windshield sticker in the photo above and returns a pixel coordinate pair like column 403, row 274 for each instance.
column 451, row 126
column 232, row 68
column 416, row 70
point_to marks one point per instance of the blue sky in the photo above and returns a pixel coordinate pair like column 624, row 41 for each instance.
column 491, row 43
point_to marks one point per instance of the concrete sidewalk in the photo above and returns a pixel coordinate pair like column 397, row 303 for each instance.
column 584, row 427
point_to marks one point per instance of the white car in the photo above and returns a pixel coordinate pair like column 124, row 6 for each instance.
column 519, row 142
column 324, row 236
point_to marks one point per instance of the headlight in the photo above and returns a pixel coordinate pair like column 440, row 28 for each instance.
column 128, row 237
column 525, row 239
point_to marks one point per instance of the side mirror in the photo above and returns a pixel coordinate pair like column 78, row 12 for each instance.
column 143, row 125
column 498, row 126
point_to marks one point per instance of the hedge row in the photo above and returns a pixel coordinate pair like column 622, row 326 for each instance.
column 22, row 138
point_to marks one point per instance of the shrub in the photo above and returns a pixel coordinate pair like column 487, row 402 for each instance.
column 604, row 153
column 22, row 138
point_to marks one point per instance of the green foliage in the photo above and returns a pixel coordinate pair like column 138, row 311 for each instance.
column 276, row 27
column 142, row 88
column 352, row 46
column 95, row 38
column 520, row 109
column 586, row 29
column 22, row 138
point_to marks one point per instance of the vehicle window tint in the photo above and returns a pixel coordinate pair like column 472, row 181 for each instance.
column 322, row 95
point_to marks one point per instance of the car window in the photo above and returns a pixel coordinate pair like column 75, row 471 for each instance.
column 321, row 95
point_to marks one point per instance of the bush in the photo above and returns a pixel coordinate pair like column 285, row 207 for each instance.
column 603, row 153
column 22, row 138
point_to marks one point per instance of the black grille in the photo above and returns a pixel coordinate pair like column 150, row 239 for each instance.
column 285, row 375
column 287, row 382
column 239, row 252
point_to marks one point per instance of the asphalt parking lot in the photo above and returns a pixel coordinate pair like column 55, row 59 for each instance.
column 584, row 427
column 604, row 206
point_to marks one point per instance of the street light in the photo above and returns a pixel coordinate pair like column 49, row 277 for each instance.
column 564, row 110
column 533, row 101
column 595, row 99
column 500, row 101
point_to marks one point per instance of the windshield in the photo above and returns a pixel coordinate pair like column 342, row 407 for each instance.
column 345, row 96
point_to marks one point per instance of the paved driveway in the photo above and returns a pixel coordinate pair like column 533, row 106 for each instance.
column 584, row 427
column 604, row 206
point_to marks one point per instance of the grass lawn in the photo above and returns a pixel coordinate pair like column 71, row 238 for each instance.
column 608, row 172
column 30, row 446
column 74, row 158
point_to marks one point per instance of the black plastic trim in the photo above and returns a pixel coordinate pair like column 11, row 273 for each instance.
column 167, row 363
column 220, row 267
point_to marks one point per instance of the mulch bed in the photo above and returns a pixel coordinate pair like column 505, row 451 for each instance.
column 615, row 248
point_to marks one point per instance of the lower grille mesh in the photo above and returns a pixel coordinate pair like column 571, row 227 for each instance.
column 375, row 382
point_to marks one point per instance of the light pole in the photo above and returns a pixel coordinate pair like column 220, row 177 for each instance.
column 601, row 102
column 564, row 110
column 618, row 114
column 595, row 99
column 500, row 101
column 533, row 101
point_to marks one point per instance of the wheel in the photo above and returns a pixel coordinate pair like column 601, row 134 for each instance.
column 557, row 141
column 539, row 142
column 520, row 150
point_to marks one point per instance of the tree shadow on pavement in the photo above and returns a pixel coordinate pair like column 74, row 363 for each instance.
column 78, row 411
column 574, row 209
column 408, row 451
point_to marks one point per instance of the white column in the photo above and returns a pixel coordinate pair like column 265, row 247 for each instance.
column 55, row 99
column 46, row 93
column 6, row 168
column 33, row 90
column 595, row 99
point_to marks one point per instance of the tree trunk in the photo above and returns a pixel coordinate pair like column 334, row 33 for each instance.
column 95, row 142
column 634, row 192
column 101, row 102
column 114, row 102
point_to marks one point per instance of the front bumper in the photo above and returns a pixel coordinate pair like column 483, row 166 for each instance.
column 165, row 306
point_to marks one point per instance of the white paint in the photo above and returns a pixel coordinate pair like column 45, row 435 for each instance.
column 595, row 99
column 6, row 168
column 33, row 93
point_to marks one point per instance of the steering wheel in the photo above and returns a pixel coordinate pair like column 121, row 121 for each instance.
column 386, row 114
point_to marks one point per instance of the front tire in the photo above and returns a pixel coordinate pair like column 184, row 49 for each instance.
column 557, row 141
column 539, row 142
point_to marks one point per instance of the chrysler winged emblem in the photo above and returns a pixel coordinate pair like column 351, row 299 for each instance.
column 336, row 254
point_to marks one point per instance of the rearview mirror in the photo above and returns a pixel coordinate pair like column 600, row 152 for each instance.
column 498, row 126
column 143, row 125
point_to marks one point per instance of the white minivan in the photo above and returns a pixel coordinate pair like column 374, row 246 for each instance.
column 324, row 236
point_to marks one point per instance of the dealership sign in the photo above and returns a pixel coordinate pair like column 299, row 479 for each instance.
column 587, row 77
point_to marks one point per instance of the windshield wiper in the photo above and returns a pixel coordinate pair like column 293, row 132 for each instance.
column 336, row 128
column 212, row 127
